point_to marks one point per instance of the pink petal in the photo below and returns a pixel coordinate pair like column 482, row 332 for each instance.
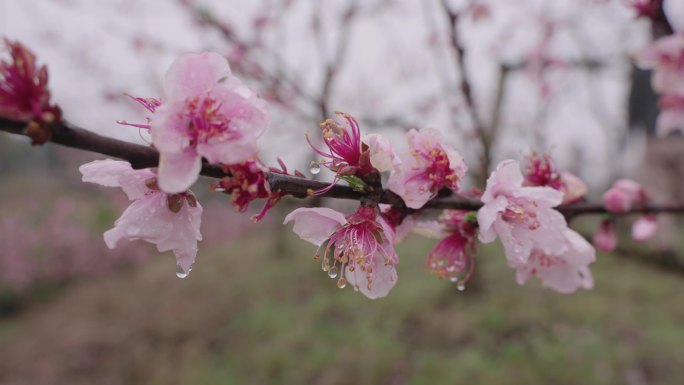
column 316, row 225
column 169, row 128
column 113, row 173
column 670, row 120
column 150, row 219
column 195, row 74
column 645, row 228
column 574, row 188
column 487, row 215
column 382, row 156
column 177, row 172
column 506, row 178
column 605, row 238
column 384, row 279
column 104, row 172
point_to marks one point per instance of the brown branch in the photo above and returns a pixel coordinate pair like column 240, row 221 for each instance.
column 140, row 156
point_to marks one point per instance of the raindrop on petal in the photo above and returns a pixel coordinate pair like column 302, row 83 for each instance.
column 332, row 273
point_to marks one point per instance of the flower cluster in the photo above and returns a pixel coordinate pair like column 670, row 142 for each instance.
column 207, row 113
column 24, row 94
column 624, row 196
column 207, row 117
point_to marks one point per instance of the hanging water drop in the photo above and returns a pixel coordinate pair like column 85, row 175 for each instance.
column 342, row 282
column 453, row 279
column 180, row 272
column 332, row 273
column 460, row 286
column 315, row 168
column 219, row 189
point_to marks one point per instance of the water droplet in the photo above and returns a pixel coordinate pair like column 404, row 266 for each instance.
column 315, row 168
column 453, row 279
column 460, row 286
column 342, row 282
column 180, row 272
column 332, row 273
column 219, row 189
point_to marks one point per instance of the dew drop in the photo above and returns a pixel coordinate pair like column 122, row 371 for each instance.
column 180, row 272
column 219, row 189
column 332, row 273
column 460, row 286
column 315, row 168
column 342, row 282
column 453, row 279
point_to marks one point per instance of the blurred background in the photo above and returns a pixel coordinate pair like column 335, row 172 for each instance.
column 547, row 75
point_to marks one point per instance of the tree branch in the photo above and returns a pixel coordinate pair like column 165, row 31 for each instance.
column 139, row 156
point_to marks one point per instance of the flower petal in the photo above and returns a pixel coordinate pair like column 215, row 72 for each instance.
column 315, row 225
column 384, row 279
column 177, row 172
column 195, row 74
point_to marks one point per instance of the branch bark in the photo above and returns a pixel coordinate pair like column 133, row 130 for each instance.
column 139, row 156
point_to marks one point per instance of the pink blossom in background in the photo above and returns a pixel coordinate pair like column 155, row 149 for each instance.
column 430, row 166
column 171, row 222
column 671, row 117
column 605, row 237
column 522, row 217
column 645, row 228
column 624, row 195
column 665, row 57
column 564, row 271
column 361, row 244
column 206, row 112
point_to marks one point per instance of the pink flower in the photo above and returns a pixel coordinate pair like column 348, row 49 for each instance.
column 605, row 238
column 453, row 258
column 542, row 172
column 623, row 196
column 671, row 117
column 247, row 182
column 665, row 57
column 645, row 228
column 564, row 271
column 24, row 94
column 431, row 166
column 346, row 155
column 207, row 112
column 522, row 217
column 171, row 222
column 361, row 244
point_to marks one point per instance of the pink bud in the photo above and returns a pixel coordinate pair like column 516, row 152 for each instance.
column 573, row 188
column 605, row 238
column 623, row 195
column 645, row 228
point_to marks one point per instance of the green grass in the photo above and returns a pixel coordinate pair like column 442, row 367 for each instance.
column 254, row 312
